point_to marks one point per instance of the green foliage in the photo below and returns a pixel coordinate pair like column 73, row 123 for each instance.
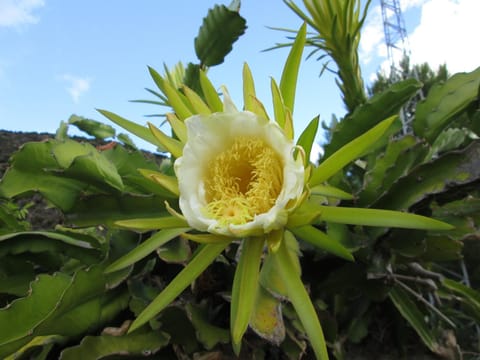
column 220, row 29
column 445, row 101
column 383, row 105
column 422, row 72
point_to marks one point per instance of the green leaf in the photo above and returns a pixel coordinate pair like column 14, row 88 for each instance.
column 192, row 78
column 349, row 152
column 469, row 296
column 60, row 170
column 26, row 313
column 307, row 137
column 30, row 171
column 92, row 127
column 84, row 162
column 396, row 161
column 209, row 335
column 73, row 246
column 288, row 82
column 245, row 284
column 107, row 209
column 320, row 240
column 203, row 257
column 101, row 347
column 449, row 139
column 44, row 341
column 220, row 29
column 127, row 164
column 55, row 303
column 16, row 274
column 444, row 101
column 176, row 323
column 141, row 131
column 145, row 248
column 369, row 114
column 80, row 304
column 451, row 169
column 175, row 251
column 301, row 301
column 442, row 249
column 376, row 217
column 409, row 310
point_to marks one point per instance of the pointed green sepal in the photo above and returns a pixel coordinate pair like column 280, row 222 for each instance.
column 349, row 152
column 211, row 96
column 380, row 217
column 167, row 182
column 145, row 248
column 138, row 130
column 245, row 284
column 149, row 224
column 173, row 146
column 288, row 82
column 204, row 256
column 198, row 105
column 307, row 137
column 330, row 191
column 322, row 241
column 178, row 126
column 298, row 296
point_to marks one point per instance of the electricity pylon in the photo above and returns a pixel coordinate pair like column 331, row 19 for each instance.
column 396, row 41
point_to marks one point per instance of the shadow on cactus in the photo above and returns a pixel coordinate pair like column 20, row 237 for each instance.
column 240, row 179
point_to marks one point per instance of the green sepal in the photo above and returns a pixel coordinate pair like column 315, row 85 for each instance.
column 204, row 256
column 350, row 152
column 138, row 130
column 288, row 82
column 245, row 284
column 307, row 137
column 322, row 241
column 379, row 217
column 149, row 224
column 211, row 96
column 298, row 296
column 145, row 248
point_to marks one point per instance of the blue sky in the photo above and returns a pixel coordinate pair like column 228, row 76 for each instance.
column 59, row 57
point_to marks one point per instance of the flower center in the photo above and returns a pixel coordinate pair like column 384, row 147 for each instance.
column 243, row 181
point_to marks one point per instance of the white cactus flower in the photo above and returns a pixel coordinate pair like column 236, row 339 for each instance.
column 238, row 175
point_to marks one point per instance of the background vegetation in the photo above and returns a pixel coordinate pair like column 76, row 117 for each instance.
column 408, row 293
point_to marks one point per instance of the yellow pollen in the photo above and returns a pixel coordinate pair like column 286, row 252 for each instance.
column 243, row 181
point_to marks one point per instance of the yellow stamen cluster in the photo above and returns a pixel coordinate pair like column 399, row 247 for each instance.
column 243, row 181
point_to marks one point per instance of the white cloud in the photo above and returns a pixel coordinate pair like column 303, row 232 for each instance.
column 14, row 13
column 78, row 86
column 445, row 34
column 372, row 38
column 407, row 4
